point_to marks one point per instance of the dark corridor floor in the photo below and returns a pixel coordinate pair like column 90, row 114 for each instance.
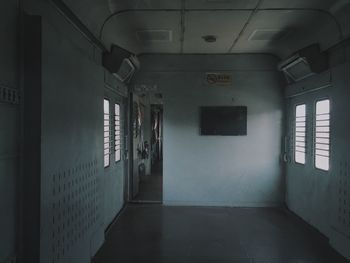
column 151, row 186
column 159, row 234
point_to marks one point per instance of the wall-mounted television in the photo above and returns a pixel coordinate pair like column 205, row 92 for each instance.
column 223, row 120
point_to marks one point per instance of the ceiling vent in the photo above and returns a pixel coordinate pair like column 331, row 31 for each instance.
column 154, row 35
column 268, row 34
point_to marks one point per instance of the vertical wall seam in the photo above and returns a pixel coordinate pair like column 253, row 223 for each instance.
column 182, row 25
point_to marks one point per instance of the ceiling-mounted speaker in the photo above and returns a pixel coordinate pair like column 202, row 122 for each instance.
column 304, row 63
column 120, row 63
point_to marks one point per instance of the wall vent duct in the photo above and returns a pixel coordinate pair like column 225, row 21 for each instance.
column 154, row 35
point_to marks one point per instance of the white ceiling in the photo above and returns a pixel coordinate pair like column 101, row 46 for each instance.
column 190, row 20
column 199, row 24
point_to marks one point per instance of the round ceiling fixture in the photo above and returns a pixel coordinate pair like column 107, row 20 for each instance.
column 209, row 38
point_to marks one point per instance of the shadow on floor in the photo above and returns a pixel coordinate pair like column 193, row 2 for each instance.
column 155, row 233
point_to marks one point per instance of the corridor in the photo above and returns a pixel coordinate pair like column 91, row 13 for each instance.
column 174, row 131
column 159, row 234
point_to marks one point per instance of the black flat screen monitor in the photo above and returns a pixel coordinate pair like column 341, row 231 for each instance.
column 223, row 120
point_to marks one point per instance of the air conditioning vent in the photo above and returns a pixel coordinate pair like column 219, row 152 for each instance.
column 267, row 35
column 121, row 63
column 154, row 35
column 126, row 70
column 304, row 63
column 297, row 68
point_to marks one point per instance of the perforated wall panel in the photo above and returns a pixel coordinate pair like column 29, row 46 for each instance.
column 343, row 198
column 72, row 175
column 75, row 207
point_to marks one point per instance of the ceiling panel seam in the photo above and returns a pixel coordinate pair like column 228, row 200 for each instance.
column 254, row 11
column 252, row 14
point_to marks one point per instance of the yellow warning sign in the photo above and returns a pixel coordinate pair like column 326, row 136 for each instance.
column 219, row 79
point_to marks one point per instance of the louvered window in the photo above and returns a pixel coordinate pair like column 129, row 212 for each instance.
column 322, row 134
column 107, row 133
column 300, row 134
column 117, row 132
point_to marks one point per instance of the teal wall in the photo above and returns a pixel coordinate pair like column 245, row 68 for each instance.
column 219, row 170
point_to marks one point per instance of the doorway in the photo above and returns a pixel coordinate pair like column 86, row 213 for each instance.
column 147, row 119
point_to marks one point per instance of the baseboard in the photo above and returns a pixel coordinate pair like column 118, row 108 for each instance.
column 222, row 204
column 115, row 219
column 340, row 243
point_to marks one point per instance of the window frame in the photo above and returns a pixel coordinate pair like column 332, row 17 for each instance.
column 315, row 130
column 109, row 134
column 295, row 131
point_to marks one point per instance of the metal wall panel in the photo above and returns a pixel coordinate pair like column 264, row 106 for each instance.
column 74, row 188
column 75, row 209
column 322, row 198
column 114, row 174
column 9, row 128
column 72, row 179
column 342, row 197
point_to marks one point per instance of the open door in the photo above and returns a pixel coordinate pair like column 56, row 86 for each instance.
column 147, row 129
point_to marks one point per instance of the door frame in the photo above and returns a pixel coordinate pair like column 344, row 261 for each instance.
column 115, row 96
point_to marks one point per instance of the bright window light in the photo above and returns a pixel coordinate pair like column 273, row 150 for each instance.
column 322, row 135
column 117, row 132
column 106, row 137
column 300, row 134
